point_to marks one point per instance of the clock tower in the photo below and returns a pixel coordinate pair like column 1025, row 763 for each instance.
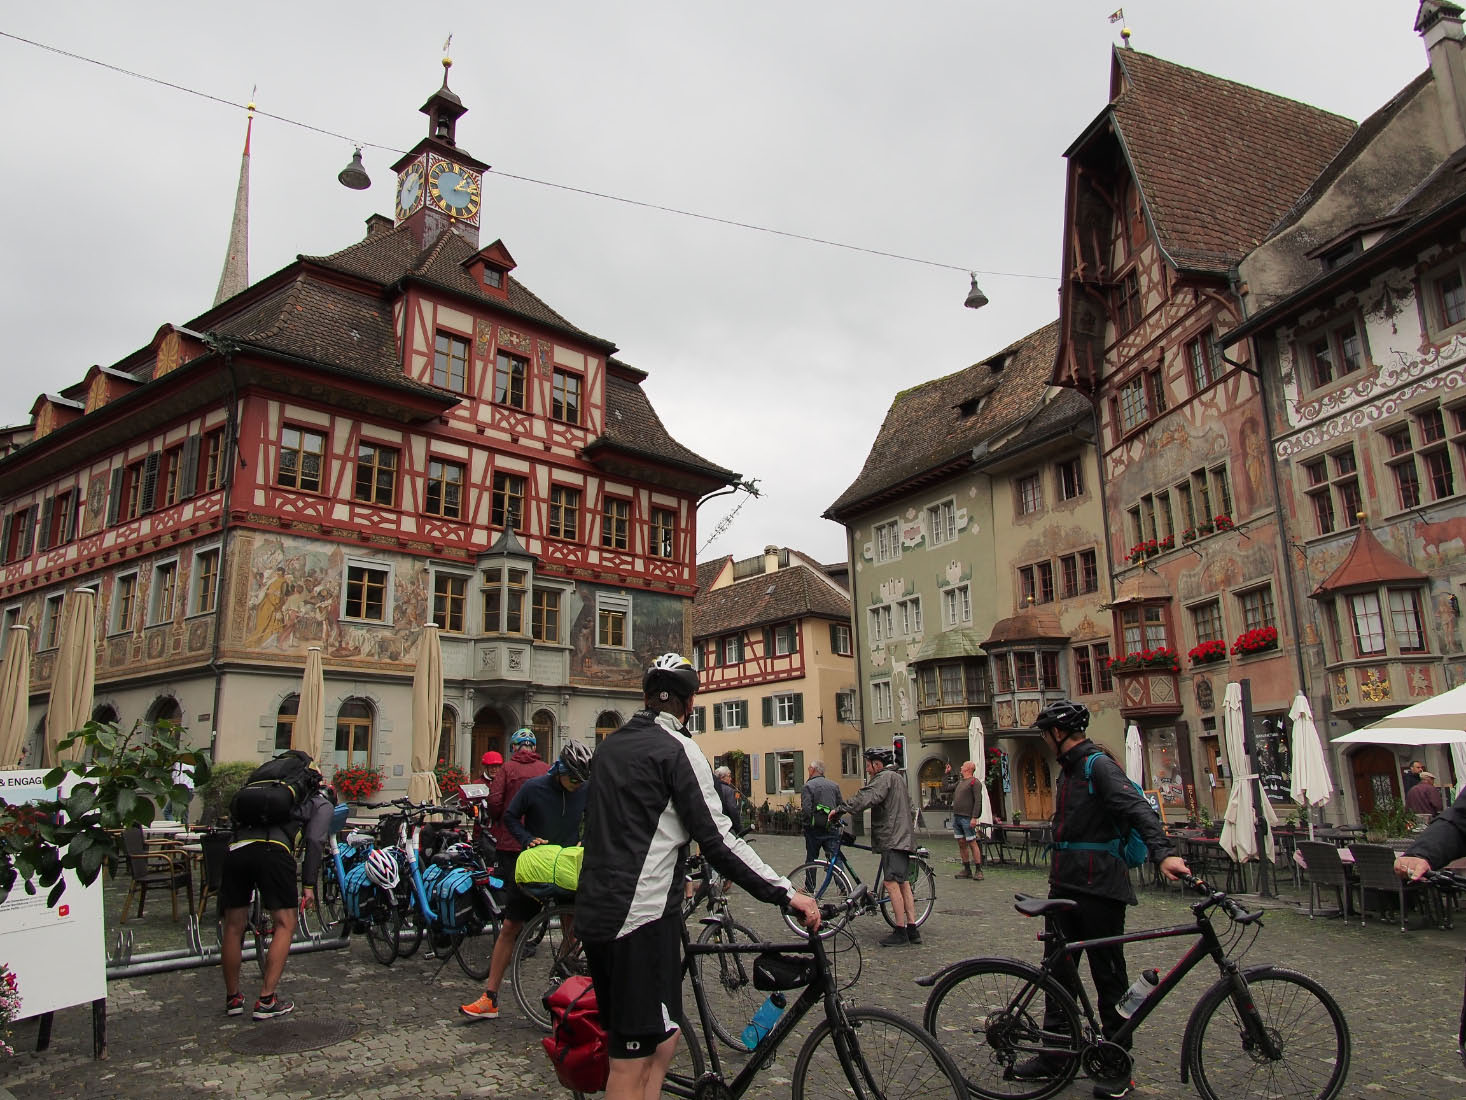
column 439, row 186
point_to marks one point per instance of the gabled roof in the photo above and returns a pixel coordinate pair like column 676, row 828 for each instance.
column 1367, row 565
column 1218, row 162
column 794, row 592
column 928, row 432
column 633, row 426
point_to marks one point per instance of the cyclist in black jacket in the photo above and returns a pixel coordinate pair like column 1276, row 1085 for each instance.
column 653, row 793
column 1086, row 868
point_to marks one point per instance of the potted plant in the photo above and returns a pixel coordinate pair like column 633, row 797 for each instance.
column 1208, row 826
column 1205, row 527
column 1163, row 658
column 1208, row 652
column 357, row 783
column 1257, row 640
column 1167, row 543
column 9, row 1006
column 1188, row 535
column 1223, row 522
column 450, row 778
column 1386, row 820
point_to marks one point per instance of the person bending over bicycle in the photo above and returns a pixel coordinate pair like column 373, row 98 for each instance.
column 547, row 809
column 893, row 834
column 1444, row 840
column 263, row 858
column 652, row 795
column 1086, row 865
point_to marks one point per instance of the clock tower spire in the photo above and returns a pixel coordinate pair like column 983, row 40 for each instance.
column 439, row 186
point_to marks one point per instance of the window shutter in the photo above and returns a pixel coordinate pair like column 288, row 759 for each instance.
column 798, row 766
column 768, row 642
column 740, row 648
column 793, row 629
column 114, row 496
column 150, row 482
column 771, row 774
column 28, row 533
column 5, row 537
column 768, row 710
column 68, row 521
column 43, row 540
column 834, row 637
column 702, row 718
column 188, row 470
column 799, row 711
column 742, row 706
column 717, row 716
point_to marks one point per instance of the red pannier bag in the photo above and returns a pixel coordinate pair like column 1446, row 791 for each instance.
column 577, row 1042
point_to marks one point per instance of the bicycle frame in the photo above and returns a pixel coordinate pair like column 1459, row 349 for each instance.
column 839, row 859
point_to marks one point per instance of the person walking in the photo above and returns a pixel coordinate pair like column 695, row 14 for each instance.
column 966, row 810
column 547, row 809
column 653, row 793
column 262, row 857
column 1091, row 817
column 821, row 835
column 728, row 797
column 893, row 834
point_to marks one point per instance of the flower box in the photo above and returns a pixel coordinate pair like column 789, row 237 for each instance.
column 450, row 778
column 1163, row 658
column 1256, row 641
column 357, row 783
column 1208, row 652
column 1223, row 522
column 1188, row 535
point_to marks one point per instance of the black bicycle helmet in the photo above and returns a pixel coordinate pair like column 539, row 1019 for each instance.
column 670, row 674
column 881, row 753
column 575, row 760
column 1066, row 715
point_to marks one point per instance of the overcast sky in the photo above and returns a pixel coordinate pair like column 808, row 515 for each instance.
column 932, row 129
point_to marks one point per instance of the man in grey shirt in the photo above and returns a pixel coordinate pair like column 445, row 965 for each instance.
column 819, row 797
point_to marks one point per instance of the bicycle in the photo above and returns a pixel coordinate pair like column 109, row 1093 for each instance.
column 733, row 997
column 1265, row 1031
column 546, row 953
column 867, row 1052
column 336, row 865
column 834, row 879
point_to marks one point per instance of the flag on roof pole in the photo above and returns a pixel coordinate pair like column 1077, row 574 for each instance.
column 1117, row 16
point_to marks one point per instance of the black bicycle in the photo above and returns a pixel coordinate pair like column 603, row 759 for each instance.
column 1265, row 1031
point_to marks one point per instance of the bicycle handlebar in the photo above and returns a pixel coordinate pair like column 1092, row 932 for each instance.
column 1445, row 879
column 1221, row 900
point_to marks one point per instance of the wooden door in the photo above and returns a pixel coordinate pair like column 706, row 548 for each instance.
column 1035, row 786
column 1376, row 778
column 488, row 733
column 1212, row 762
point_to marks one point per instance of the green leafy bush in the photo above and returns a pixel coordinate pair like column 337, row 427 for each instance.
column 219, row 791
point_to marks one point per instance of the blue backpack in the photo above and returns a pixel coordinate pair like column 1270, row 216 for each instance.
column 1131, row 848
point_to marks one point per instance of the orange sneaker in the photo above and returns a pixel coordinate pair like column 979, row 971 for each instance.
column 485, row 1008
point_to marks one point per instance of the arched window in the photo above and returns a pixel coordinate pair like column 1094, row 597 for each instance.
column 607, row 723
column 354, row 723
column 285, row 721
column 445, row 734
column 543, row 724
column 105, row 713
column 929, row 778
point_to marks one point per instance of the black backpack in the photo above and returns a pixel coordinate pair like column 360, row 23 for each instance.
column 274, row 790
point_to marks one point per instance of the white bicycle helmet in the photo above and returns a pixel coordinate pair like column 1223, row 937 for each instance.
column 381, row 868
column 670, row 674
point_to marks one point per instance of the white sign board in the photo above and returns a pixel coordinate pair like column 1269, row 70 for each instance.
column 58, row 954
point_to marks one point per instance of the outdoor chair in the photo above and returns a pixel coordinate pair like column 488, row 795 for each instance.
column 1012, row 845
column 1323, row 867
column 990, row 843
column 155, row 867
column 1374, row 867
column 215, row 847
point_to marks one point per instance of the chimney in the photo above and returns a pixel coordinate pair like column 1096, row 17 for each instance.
column 377, row 224
column 771, row 559
column 1439, row 23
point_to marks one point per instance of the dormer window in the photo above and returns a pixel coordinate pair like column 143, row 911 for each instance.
column 493, row 277
column 970, row 407
column 1337, row 257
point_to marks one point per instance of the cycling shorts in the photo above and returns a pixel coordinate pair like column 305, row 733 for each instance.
column 638, row 981
column 262, row 865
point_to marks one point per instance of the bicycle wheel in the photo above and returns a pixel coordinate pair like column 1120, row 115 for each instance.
column 687, row 1061
column 888, row 1056
column 988, row 1013
column 383, row 922
column 476, row 949
column 413, row 925
column 543, row 958
column 1300, row 1017
column 728, row 983
column 826, row 883
column 330, row 905
column 923, row 892
column 261, row 930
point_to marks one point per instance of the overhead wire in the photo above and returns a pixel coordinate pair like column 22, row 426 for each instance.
column 659, row 207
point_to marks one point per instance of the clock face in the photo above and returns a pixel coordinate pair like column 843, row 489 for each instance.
column 453, row 188
column 409, row 189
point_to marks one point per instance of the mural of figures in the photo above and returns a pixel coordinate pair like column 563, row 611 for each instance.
column 656, row 627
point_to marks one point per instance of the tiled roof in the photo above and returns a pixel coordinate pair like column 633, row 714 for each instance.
column 1032, row 624
column 925, row 432
column 791, row 593
column 633, row 425
column 1368, row 564
column 707, row 571
column 1218, row 162
column 387, row 257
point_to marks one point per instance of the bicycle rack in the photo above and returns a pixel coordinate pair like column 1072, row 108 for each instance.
column 123, row 962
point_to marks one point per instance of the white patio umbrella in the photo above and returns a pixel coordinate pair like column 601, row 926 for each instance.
column 1445, row 712
column 1402, row 735
column 309, row 734
column 15, row 694
column 1239, row 830
column 977, row 753
column 1134, row 763
column 427, row 716
column 1458, row 758
column 76, row 669
column 1311, row 785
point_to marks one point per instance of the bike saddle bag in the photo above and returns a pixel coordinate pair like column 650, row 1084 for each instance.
column 774, row 971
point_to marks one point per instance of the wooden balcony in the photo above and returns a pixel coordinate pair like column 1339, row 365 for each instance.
column 1148, row 692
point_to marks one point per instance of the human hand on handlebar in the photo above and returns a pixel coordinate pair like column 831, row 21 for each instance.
column 1173, row 867
column 808, row 911
column 1412, row 867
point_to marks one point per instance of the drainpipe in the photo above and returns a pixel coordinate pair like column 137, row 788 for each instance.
column 224, row 347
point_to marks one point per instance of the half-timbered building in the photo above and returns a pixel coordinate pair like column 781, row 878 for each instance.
column 354, row 446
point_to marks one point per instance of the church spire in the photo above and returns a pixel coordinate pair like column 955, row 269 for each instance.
column 235, row 276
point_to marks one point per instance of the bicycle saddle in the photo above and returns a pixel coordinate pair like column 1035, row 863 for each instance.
column 1038, row 907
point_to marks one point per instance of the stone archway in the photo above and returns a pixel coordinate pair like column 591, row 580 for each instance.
column 488, row 733
column 1376, row 778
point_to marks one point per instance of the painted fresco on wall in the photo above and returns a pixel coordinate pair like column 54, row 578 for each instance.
column 657, row 626
column 294, row 598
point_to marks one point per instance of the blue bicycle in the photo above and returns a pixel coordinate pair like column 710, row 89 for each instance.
column 833, row 880
column 331, row 907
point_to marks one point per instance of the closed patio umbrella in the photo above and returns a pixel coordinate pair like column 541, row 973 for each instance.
column 1311, row 785
column 310, row 716
column 15, row 694
column 978, row 754
column 76, row 670
column 427, row 716
column 1134, row 766
column 1239, row 831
